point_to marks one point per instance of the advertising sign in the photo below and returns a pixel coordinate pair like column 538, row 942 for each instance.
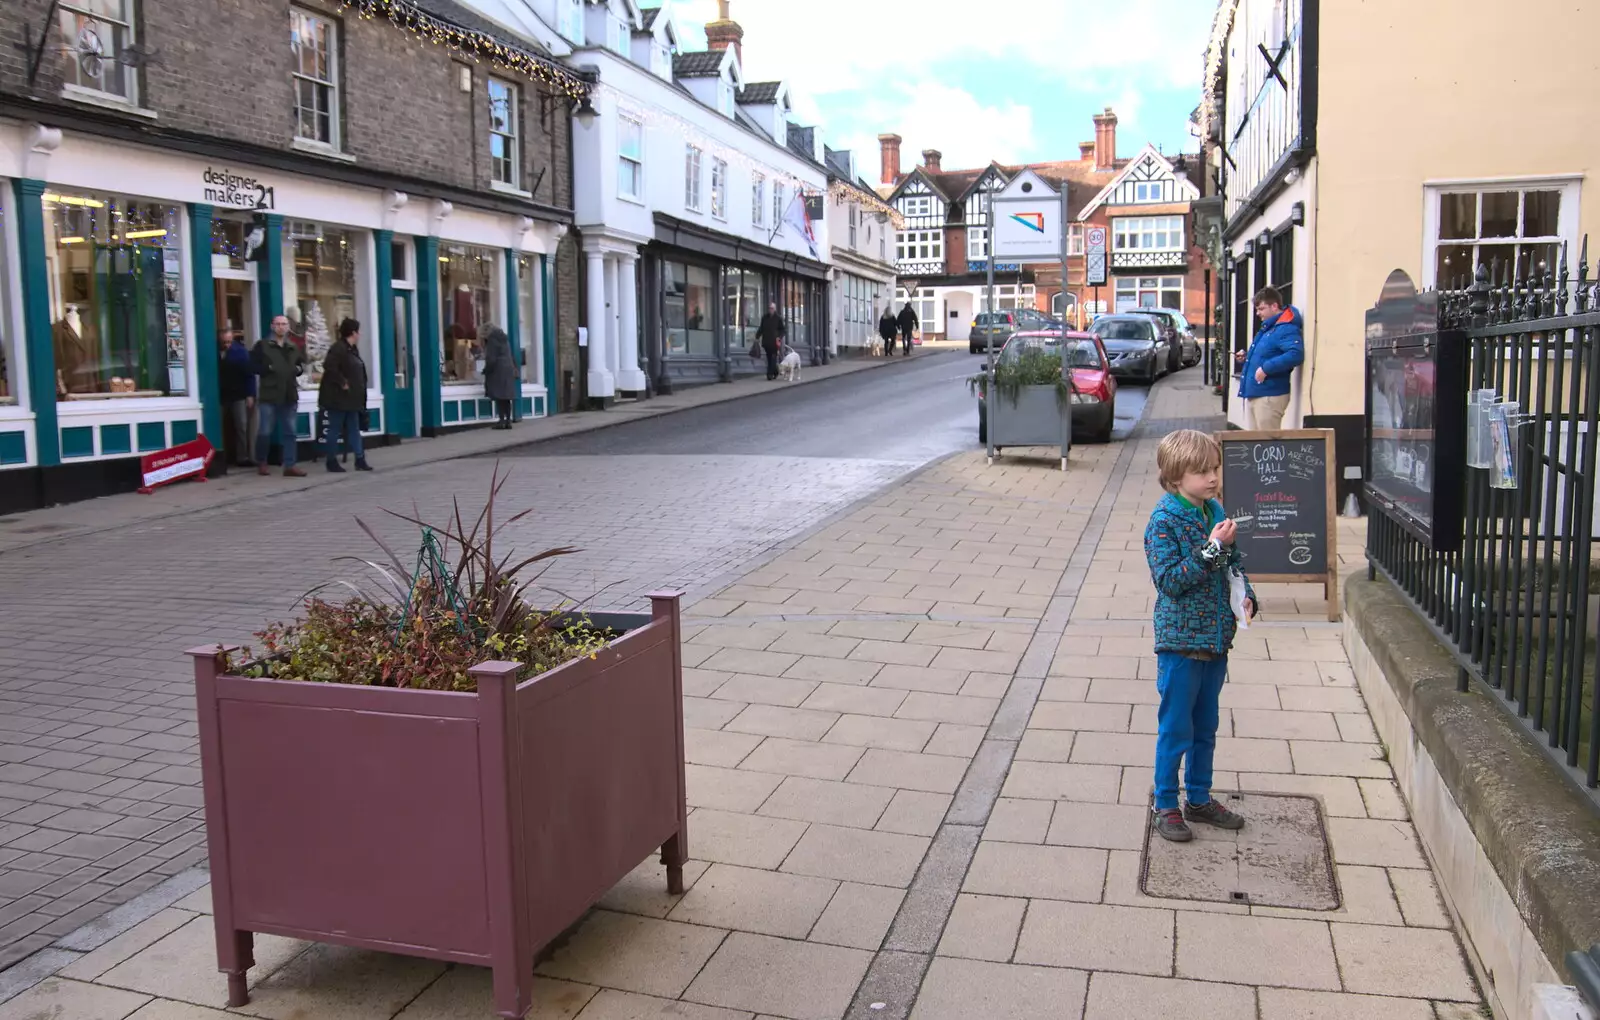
column 1095, row 260
column 186, row 460
column 1027, row 229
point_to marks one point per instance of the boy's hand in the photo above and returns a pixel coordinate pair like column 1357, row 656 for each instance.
column 1223, row 533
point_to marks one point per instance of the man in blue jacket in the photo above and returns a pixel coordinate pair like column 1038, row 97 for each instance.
column 1276, row 352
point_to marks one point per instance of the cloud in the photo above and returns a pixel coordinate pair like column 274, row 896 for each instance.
column 865, row 66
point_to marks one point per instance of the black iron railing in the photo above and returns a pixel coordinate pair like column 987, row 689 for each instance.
column 1514, row 599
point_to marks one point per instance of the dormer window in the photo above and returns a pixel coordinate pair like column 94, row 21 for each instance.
column 569, row 20
column 660, row 60
column 725, row 98
column 616, row 34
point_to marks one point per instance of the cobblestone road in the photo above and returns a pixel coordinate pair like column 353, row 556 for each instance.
column 99, row 780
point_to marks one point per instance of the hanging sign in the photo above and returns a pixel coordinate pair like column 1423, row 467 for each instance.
column 186, row 460
column 1027, row 229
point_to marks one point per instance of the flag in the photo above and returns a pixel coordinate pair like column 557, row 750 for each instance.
column 797, row 217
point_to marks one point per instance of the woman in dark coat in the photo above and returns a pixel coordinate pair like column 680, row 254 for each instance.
column 499, row 375
column 343, row 394
column 887, row 327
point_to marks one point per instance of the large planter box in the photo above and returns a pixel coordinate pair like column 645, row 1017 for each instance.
column 473, row 828
column 1035, row 418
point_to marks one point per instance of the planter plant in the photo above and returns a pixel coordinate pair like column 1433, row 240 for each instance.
column 435, row 766
column 1032, row 400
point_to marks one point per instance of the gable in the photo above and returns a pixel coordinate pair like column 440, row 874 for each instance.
column 1027, row 184
column 1148, row 179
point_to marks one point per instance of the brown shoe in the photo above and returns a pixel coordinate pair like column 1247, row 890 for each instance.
column 293, row 472
column 262, row 469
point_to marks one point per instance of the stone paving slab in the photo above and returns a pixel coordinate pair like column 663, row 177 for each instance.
column 973, row 855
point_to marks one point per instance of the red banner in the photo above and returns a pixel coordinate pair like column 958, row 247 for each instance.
column 184, row 461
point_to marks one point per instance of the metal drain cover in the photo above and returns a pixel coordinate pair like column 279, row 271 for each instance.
column 1279, row 859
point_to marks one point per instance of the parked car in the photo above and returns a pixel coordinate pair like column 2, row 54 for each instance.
column 1136, row 345
column 1190, row 344
column 1032, row 320
column 1094, row 402
column 1171, row 340
column 1000, row 324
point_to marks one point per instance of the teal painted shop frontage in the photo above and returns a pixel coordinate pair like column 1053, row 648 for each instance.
column 123, row 270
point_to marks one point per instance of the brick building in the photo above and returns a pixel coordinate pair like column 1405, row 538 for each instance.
column 172, row 171
column 1142, row 203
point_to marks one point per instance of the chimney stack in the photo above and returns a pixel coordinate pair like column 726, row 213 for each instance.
column 930, row 160
column 1086, row 150
column 1105, row 140
column 889, row 150
column 725, row 32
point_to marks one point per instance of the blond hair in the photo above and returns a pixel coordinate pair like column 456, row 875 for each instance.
column 1184, row 451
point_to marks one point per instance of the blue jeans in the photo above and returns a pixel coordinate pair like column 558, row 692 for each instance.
column 1186, row 725
column 279, row 420
column 348, row 425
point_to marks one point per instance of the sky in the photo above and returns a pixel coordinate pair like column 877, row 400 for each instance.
column 1017, row 81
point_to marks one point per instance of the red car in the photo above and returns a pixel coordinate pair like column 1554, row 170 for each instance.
column 1094, row 405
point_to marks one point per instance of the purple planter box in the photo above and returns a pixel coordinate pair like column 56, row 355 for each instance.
column 473, row 828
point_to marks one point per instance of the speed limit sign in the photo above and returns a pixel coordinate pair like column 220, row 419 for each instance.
column 1095, row 256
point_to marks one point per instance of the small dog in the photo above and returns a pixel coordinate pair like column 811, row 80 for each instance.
column 875, row 347
column 789, row 367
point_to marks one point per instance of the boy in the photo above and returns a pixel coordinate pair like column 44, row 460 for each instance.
column 1189, row 545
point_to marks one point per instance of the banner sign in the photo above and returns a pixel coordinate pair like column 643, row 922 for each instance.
column 1095, row 262
column 186, row 460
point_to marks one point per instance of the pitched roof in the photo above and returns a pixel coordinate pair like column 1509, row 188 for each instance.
column 650, row 14
column 697, row 64
column 760, row 92
column 462, row 16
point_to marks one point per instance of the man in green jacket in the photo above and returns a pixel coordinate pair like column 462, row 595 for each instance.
column 278, row 361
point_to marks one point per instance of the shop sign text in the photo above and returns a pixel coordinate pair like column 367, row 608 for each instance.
column 224, row 187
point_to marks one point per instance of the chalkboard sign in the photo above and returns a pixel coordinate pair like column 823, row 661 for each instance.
column 1279, row 486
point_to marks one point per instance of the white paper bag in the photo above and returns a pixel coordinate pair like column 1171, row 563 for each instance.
column 1237, row 595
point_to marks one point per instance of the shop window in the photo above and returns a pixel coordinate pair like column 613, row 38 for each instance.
column 468, row 296
column 504, row 147
column 116, row 296
column 530, row 319
column 1149, row 292
column 314, row 41
column 98, row 37
column 319, row 285
column 688, row 298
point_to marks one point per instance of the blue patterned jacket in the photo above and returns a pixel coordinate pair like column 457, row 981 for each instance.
column 1192, row 610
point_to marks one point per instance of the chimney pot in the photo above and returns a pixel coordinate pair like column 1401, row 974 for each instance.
column 1085, row 150
column 889, row 152
column 930, row 159
column 725, row 32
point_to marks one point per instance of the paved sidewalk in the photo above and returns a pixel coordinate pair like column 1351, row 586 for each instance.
column 87, row 517
column 919, row 744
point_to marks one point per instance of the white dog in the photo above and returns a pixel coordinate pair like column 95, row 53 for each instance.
column 789, row 367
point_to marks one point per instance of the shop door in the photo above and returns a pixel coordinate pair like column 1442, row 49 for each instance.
column 236, row 313
column 399, row 390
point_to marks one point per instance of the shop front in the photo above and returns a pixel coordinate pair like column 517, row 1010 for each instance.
column 117, row 305
column 705, row 294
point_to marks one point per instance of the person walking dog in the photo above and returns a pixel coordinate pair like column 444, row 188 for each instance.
column 1277, row 350
column 499, row 375
column 771, row 333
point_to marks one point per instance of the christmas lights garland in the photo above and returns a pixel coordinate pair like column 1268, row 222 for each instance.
column 477, row 45
column 843, row 192
column 1221, row 25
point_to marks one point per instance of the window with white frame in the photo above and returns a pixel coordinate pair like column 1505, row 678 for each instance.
column 779, row 206
column 719, row 188
column 630, row 158
column 660, row 60
column 691, row 177
column 1147, row 233
column 616, row 34
column 96, row 35
column 758, row 199
column 725, row 99
column 569, row 20
column 505, row 149
column 1007, row 296
column 1149, row 292
column 854, row 214
column 977, row 242
column 920, row 246
column 925, row 305
column 918, row 205
column 1513, row 228
column 1147, row 191
column 315, row 43
column 1075, row 239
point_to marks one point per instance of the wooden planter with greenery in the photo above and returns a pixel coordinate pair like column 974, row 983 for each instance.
column 470, row 776
column 1031, row 404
